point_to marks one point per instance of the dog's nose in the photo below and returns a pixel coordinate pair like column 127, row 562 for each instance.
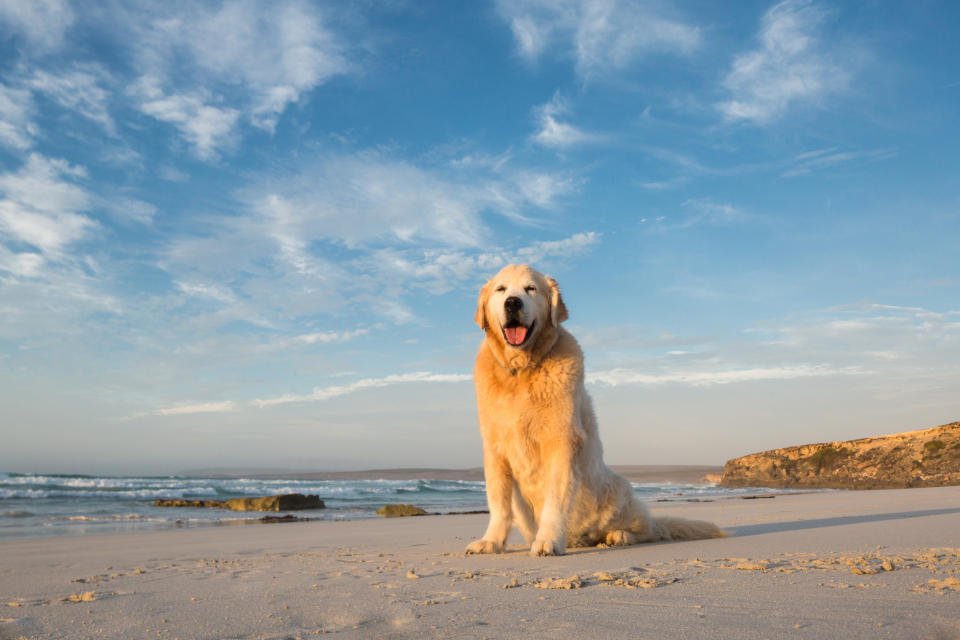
column 513, row 303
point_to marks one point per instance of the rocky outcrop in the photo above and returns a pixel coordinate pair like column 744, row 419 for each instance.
column 928, row 458
column 286, row 502
column 400, row 510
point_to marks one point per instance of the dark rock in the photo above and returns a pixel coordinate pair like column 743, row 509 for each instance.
column 286, row 518
column 400, row 510
column 286, row 502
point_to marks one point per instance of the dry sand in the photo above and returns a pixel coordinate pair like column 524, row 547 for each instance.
column 871, row 564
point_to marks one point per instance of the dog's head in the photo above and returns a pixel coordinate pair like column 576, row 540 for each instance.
column 520, row 305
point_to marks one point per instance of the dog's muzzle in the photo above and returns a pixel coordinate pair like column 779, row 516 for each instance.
column 514, row 331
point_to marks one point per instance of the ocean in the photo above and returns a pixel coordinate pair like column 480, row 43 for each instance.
column 33, row 505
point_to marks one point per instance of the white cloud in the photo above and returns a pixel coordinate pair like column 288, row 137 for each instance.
column 824, row 158
column 207, row 407
column 42, row 22
column 126, row 210
column 25, row 263
column 554, row 133
column 325, row 393
column 209, row 291
column 206, row 127
column 600, row 35
column 41, row 208
column 360, row 231
column 327, row 337
column 715, row 213
column 618, row 377
column 16, row 129
column 793, row 64
column 246, row 59
column 573, row 245
column 441, row 271
column 367, row 198
column 79, row 90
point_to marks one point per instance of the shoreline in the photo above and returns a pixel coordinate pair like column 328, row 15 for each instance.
column 641, row 473
column 857, row 564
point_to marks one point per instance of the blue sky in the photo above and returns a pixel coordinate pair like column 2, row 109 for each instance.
column 252, row 234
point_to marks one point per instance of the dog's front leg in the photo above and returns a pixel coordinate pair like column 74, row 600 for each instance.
column 552, row 532
column 496, row 470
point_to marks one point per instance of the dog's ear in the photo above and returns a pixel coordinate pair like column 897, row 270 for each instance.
column 558, row 310
column 481, row 317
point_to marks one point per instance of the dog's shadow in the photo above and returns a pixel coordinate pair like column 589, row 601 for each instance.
column 768, row 527
column 819, row 523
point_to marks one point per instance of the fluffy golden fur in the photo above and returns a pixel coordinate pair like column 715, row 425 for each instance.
column 542, row 456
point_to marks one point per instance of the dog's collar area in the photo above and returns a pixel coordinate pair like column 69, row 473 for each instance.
column 517, row 335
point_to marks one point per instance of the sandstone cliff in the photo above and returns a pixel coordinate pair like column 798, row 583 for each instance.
column 928, row 458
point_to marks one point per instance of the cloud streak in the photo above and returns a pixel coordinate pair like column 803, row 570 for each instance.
column 792, row 64
column 619, row 377
column 602, row 36
column 320, row 394
column 262, row 58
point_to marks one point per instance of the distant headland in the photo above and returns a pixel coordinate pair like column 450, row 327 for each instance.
column 926, row 458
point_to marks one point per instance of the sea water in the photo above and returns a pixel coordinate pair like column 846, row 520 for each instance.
column 34, row 505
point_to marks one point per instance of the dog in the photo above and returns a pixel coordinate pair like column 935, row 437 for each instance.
column 542, row 456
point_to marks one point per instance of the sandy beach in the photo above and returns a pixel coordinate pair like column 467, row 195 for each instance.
column 868, row 564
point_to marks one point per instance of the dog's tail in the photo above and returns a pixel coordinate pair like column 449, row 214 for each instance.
column 683, row 529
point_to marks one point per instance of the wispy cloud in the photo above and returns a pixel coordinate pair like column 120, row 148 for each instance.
column 371, row 197
column 395, row 225
column 715, row 213
column 325, row 393
column 553, row 132
column 618, row 377
column 208, row 128
column 206, row 407
column 328, row 337
column 812, row 161
column 210, row 291
column 81, row 90
column 441, row 271
column 793, row 64
column 16, row 127
column 41, row 206
column 261, row 57
column 600, row 35
column 42, row 23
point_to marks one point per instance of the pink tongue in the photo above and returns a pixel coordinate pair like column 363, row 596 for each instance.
column 516, row 335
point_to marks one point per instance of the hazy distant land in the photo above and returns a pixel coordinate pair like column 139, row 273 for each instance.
column 675, row 473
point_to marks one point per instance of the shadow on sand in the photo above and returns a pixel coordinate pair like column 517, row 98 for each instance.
column 799, row 525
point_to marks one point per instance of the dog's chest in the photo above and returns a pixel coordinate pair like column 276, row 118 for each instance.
column 523, row 421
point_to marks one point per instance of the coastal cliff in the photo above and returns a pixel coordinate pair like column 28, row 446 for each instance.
column 927, row 458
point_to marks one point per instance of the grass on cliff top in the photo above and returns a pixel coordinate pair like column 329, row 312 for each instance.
column 828, row 457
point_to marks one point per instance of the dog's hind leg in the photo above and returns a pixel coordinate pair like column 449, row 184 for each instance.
column 620, row 538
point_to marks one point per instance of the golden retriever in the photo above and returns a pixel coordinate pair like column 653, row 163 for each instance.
column 542, row 456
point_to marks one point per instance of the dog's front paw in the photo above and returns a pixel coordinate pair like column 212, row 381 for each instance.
column 546, row 548
column 484, row 546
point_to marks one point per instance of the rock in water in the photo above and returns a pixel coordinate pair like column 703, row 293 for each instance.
column 285, row 502
column 399, row 510
column 928, row 458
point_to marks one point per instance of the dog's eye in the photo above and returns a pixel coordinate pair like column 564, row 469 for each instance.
column 530, row 288
column 500, row 289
